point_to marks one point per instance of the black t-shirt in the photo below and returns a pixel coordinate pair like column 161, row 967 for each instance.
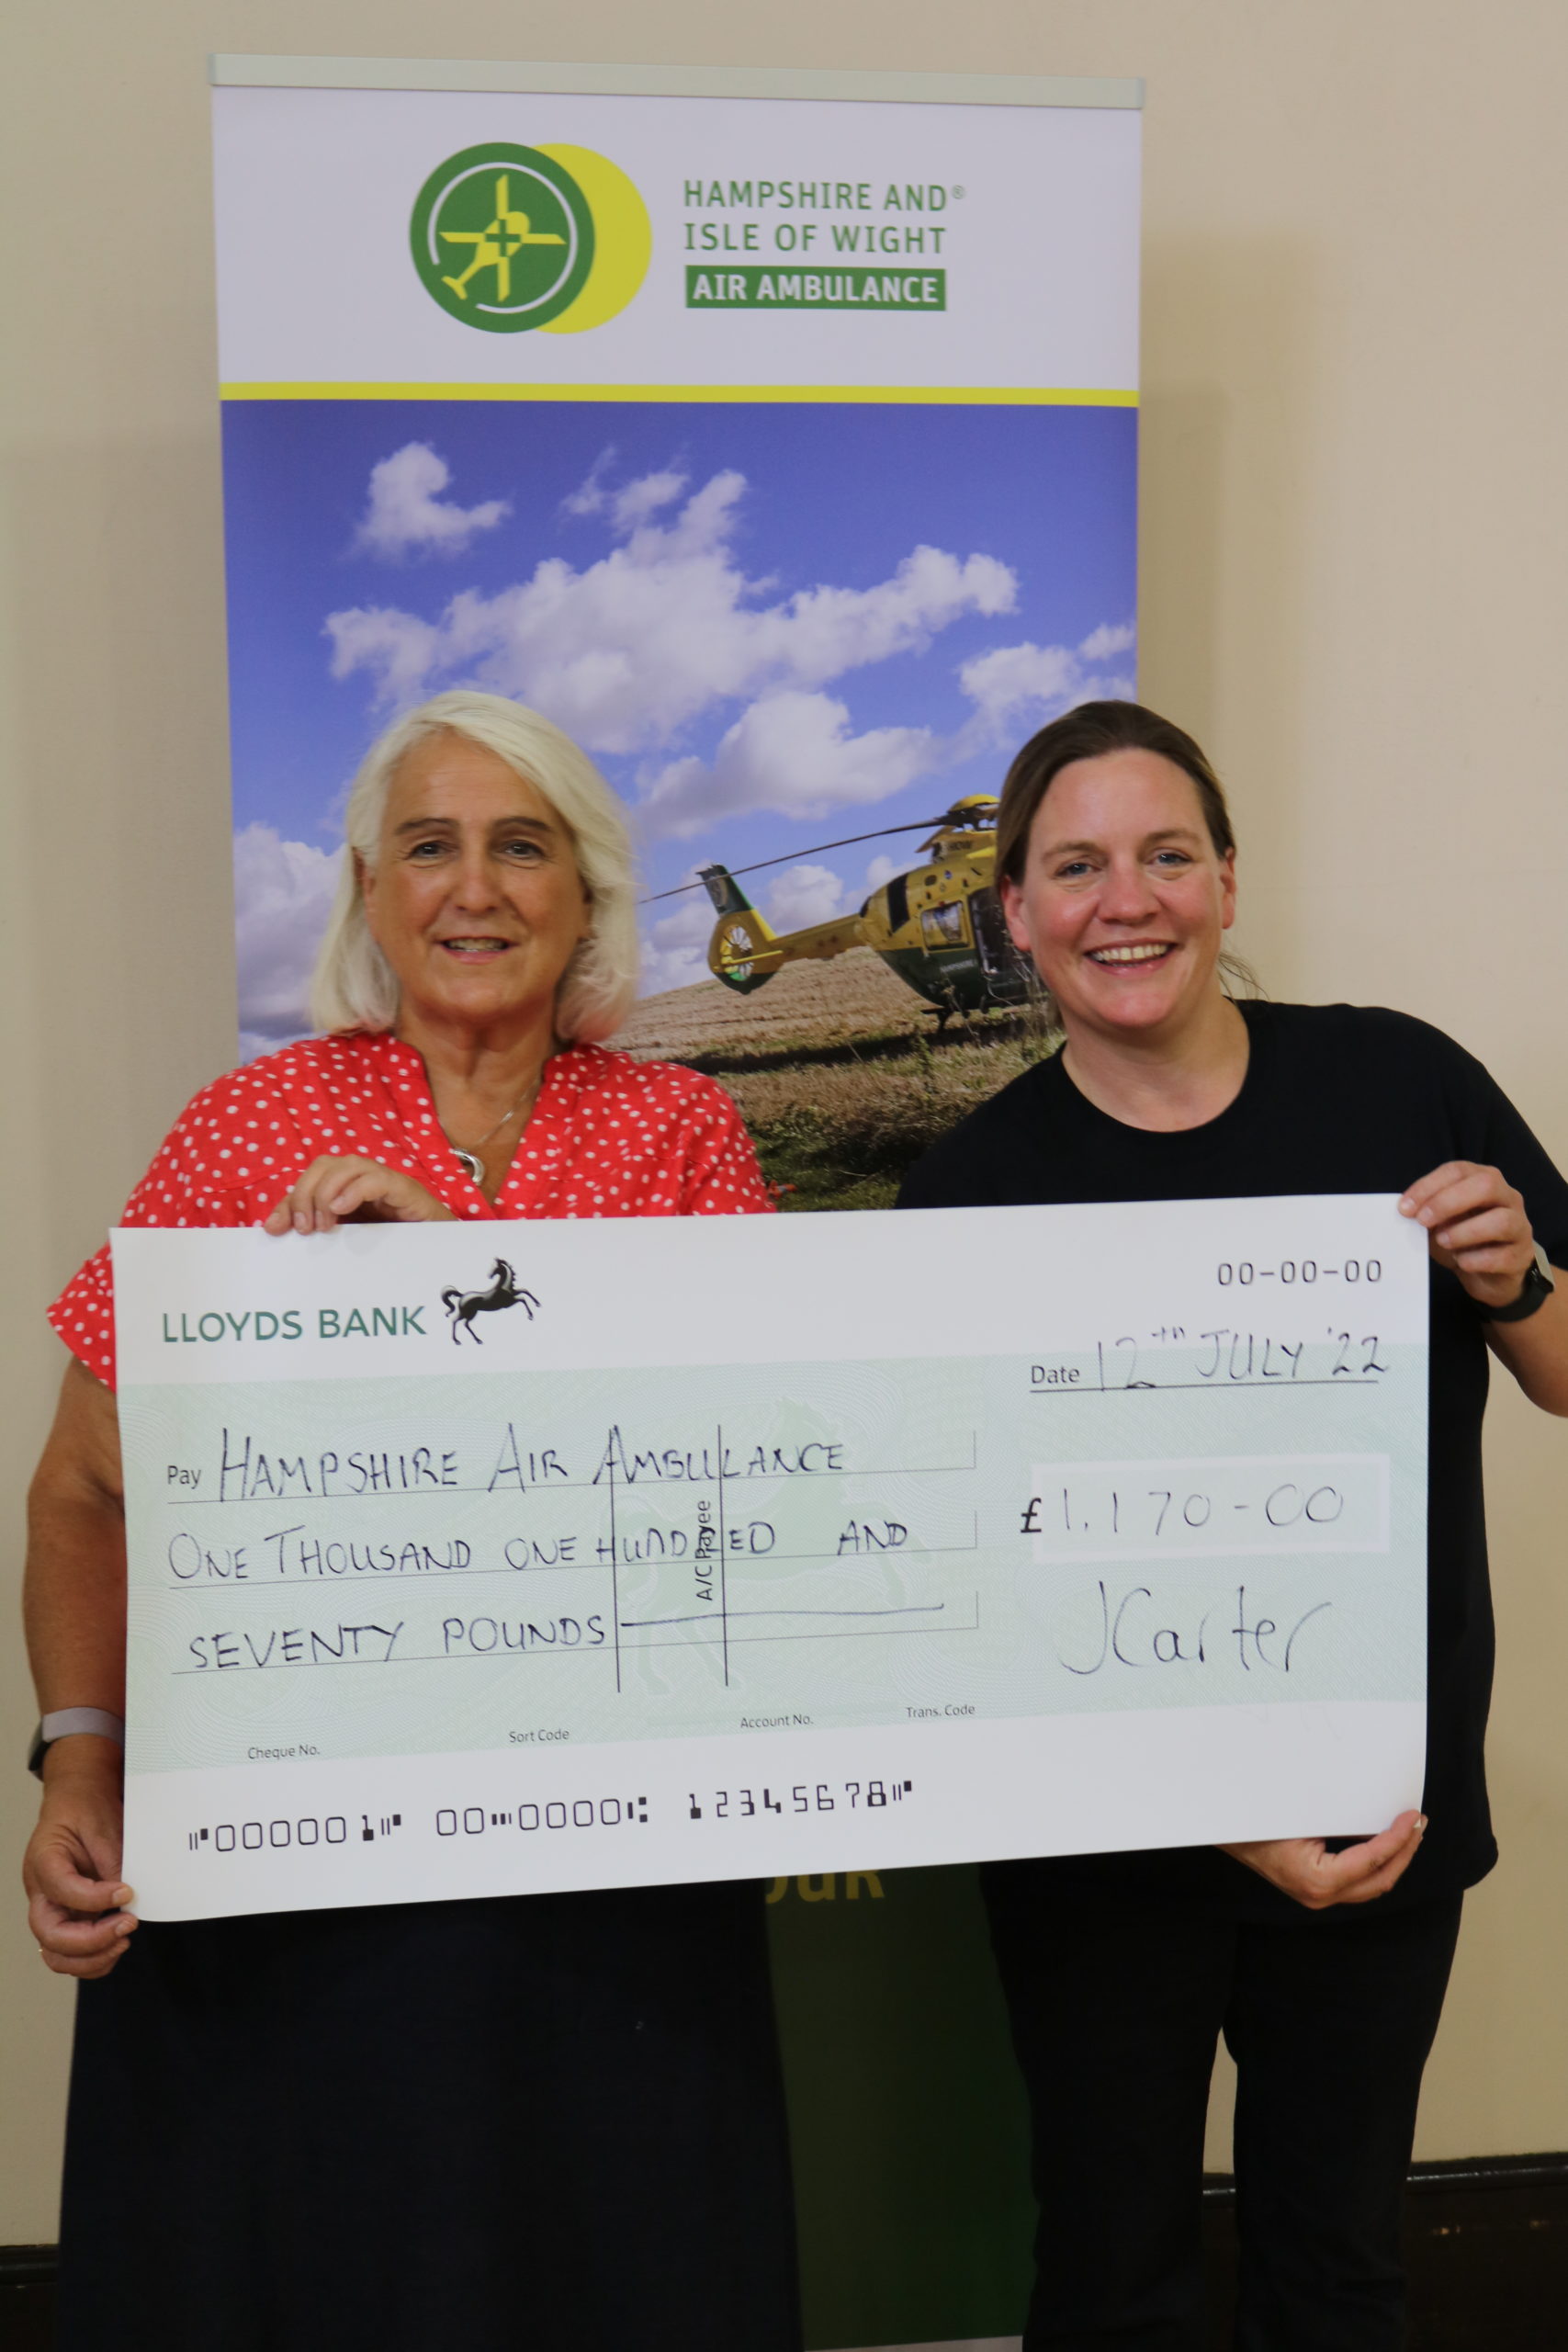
column 1337, row 1098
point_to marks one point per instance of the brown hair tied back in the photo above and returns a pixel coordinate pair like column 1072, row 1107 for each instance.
column 1089, row 732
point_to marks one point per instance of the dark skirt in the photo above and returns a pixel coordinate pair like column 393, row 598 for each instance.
column 541, row 2124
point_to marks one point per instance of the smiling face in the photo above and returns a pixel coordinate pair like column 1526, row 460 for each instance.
column 475, row 898
column 1124, row 899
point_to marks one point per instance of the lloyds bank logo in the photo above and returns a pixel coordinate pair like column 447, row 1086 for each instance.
column 506, row 238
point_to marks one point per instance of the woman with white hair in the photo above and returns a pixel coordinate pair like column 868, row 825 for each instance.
column 541, row 2122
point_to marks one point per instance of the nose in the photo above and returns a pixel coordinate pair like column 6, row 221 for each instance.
column 474, row 886
column 1126, row 894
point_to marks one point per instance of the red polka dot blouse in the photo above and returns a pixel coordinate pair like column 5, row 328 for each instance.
column 609, row 1137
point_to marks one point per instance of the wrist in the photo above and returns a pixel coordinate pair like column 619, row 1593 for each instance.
column 56, row 1724
column 82, row 1789
column 83, row 1758
column 1535, row 1287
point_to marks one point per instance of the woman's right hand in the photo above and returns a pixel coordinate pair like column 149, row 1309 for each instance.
column 332, row 1190
column 72, row 1867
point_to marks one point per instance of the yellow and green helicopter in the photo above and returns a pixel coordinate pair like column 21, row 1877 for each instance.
column 938, row 926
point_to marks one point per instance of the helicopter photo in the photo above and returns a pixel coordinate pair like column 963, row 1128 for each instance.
column 939, row 927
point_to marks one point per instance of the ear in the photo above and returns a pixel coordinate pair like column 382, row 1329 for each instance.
column 1012, row 900
column 1227, row 889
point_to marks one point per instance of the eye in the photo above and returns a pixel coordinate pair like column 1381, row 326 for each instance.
column 424, row 852
column 523, row 849
column 1075, row 869
column 1172, row 857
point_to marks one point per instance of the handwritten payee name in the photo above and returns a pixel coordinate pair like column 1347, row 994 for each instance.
column 249, row 1469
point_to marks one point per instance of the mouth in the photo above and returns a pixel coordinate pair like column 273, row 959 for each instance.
column 477, row 945
column 1152, row 951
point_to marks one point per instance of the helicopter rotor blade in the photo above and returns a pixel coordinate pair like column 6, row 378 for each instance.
column 925, row 825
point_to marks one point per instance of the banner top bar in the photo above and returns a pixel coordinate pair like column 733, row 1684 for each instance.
column 673, row 81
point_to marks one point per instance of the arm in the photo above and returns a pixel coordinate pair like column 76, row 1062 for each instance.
column 1480, row 1231
column 75, row 1605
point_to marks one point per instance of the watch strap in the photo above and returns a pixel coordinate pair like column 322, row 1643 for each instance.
column 62, row 1722
column 1534, row 1292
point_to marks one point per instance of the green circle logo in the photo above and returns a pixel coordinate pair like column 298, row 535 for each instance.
column 503, row 238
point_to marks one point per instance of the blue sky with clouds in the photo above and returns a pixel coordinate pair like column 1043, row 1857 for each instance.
column 771, row 624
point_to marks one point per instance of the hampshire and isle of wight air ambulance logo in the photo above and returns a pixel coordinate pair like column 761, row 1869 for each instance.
column 508, row 237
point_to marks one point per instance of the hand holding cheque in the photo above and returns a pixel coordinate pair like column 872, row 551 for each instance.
column 336, row 1190
column 1480, row 1231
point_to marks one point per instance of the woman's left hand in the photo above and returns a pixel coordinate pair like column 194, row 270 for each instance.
column 1478, row 1228
column 332, row 1190
column 1304, row 1868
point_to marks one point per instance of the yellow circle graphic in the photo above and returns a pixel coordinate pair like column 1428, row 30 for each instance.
column 622, row 240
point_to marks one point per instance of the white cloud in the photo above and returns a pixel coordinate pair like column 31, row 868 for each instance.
column 591, row 497
column 400, row 646
column 626, row 652
column 640, row 500
column 283, row 894
column 807, row 894
column 406, row 514
column 881, row 869
column 1018, row 688
column 794, row 753
column 1011, row 677
column 674, row 948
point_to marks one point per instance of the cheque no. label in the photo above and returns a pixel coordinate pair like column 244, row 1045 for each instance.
column 509, row 1556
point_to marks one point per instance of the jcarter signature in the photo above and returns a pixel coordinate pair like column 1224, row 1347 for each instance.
column 1130, row 1634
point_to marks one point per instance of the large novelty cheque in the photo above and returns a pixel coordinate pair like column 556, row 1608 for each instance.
column 470, row 1560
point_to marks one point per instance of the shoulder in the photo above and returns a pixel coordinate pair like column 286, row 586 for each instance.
column 237, row 1116
column 603, row 1075
column 307, row 1065
column 1371, row 1034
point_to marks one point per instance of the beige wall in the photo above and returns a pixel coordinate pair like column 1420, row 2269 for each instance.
column 1354, row 513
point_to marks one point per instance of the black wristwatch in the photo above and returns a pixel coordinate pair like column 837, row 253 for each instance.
column 1538, row 1288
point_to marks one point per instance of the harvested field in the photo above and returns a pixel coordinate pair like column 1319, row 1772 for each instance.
column 838, row 1069
column 854, row 996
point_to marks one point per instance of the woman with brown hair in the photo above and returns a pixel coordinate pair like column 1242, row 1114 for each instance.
column 1322, row 1960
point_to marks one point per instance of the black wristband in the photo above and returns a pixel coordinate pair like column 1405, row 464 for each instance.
column 1534, row 1292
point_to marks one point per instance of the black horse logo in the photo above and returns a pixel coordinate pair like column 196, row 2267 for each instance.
column 462, row 1306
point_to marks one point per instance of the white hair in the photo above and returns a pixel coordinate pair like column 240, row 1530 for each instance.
column 354, row 987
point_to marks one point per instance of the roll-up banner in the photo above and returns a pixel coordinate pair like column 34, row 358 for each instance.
column 774, row 434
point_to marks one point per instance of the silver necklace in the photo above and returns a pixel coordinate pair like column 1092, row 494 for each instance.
column 471, row 1160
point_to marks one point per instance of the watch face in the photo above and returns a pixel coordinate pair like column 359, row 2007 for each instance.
column 1534, row 1291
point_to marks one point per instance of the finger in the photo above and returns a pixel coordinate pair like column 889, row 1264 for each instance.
column 298, row 1210
column 58, row 1880
column 1482, row 1190
column 1364, row 1862
column 1382, row 1881
column 1502, row 1228
column 370, row 1185
column 1425, row 1188
column 74, row 1936
column 99, row 1965
column 1499, row 1258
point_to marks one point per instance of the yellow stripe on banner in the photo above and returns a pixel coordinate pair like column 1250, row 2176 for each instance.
column 921, row 395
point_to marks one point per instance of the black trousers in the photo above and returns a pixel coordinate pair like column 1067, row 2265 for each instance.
column 542, row 2123
column 1117, row 1999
